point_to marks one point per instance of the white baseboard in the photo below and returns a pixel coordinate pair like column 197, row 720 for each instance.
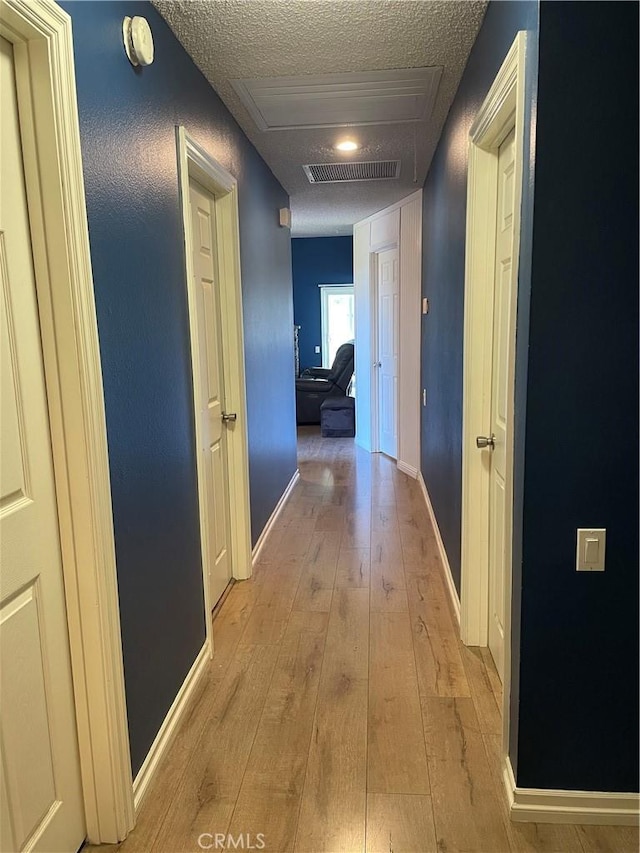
column 169, row 727
column 274, row 516
column 537, row 805
column 409, row 470
column 453, row 592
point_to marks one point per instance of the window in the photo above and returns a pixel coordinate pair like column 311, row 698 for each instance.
column 337, row 309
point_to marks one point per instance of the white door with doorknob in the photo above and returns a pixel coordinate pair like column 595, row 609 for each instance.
column 214, row 420
column 41, row 794
column 496, row 441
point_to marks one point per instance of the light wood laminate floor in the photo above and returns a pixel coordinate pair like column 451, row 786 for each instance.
column 341, row 712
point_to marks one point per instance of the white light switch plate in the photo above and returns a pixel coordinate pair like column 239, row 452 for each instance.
column 590, row 549
column 317, row 350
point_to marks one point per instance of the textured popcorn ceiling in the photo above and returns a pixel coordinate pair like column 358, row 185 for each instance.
column 230, row 39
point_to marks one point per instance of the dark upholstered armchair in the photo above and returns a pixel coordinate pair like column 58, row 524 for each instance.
column 319, row 383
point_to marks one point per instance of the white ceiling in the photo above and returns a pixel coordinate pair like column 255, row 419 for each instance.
column 231, row 40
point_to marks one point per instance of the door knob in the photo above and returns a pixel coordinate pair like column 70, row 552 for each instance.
column 483, row 441
column 229, row 418
column 377, row 364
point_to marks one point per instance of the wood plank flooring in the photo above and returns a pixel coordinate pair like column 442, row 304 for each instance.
column 341, row 712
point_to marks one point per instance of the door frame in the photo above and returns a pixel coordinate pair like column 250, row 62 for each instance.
column 194, row 162
column 375, row 371
column 375, row 349
column 375, row 342
column 41, row 34
column 502, row 111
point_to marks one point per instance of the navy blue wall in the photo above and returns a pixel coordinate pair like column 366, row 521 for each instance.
column 127, row 124
column 444, row 223
column 578, row 722
column 316, row 260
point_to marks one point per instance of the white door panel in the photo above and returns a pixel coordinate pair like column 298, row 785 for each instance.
column 210, row 354
column 40, row 778
column 500, row 427
column 388, row 347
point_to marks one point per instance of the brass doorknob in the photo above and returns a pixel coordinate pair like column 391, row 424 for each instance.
column 231, row 417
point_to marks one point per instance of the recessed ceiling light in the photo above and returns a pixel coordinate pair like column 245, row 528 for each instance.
column 346, row 145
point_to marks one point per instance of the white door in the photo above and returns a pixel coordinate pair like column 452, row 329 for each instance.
column 500, row 427
column 388, row 344
column 213, row 450
column 41, row 795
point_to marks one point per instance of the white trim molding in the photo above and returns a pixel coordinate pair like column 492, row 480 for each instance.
column 169, row 727
column 575, row 807
column 194, row 162
column 409, row 470
column 274, row 517
column 41, row 34
column 444, row 559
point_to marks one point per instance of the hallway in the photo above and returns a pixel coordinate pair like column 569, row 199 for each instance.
column 341, row 712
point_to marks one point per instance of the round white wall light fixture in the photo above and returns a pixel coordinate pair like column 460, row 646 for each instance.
column 138, row 41
column 346, row 145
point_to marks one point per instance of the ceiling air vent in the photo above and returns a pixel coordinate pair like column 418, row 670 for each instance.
column 337, row 173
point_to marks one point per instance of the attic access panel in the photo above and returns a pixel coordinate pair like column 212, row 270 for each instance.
column 333, row 100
